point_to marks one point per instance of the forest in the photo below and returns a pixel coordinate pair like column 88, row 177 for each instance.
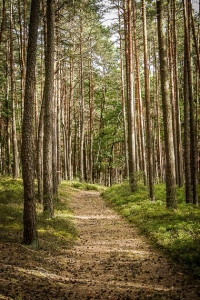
column 99, row 149
column 100, row 92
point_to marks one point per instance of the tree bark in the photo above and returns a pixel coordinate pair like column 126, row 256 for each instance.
column 48, row 111
column 139, row 104
column 126, row 172
column 171, row 201
column 193, row 133
column 91, row 120
column 82, row 106
column 148, row 110
column 12, row 87
column 180, row 175
column 28, row 165
column 130, row 94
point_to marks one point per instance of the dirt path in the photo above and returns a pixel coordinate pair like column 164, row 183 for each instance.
column 111, row 261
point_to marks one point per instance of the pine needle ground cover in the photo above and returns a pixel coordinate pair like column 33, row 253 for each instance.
column 177, row 232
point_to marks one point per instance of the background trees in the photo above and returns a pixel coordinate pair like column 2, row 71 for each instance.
column 100, row 80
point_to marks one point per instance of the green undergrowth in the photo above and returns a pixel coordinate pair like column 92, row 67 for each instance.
column 84, row 186
column 177, row 232
column 56, row 233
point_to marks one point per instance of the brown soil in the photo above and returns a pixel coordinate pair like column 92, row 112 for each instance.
column 109, row 261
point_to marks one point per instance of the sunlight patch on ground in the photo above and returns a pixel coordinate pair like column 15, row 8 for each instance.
column 100, row 248
column 2, row 297
column 97, row 217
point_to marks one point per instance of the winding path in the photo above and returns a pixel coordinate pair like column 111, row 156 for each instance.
column 111, row 261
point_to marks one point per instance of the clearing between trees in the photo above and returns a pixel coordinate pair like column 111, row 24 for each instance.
column 110, row 260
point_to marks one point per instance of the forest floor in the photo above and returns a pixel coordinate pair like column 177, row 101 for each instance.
column 110, row 260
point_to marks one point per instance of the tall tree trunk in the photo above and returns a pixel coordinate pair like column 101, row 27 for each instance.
column 139, row 108
column 188, row 192
column 82, row 106
column 159, row 147
column 28, row 161
column 40, row 129
column 130, row 94
column 91, row 120
column 176, row 97
column 148, row 109
column 193, row 133
column 126, row 173
column 58, row 85
column 48, row 111
column 171, row 201
column 12, row 87
column 8, row 127
column 54, row 141
column 40, row 153
column 70, row 117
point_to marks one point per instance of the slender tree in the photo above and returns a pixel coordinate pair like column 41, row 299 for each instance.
column 177, row 100
column 147, row 101
column 130, row 93
column 123, row 92
column 12, row 87
column 91, row 119
column 171, row 201
column 48, row 111
column 189, row 83
column 28, row 167
column 139, row 102
column 82, row 106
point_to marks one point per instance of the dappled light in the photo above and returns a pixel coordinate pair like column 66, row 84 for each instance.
column 97, row 217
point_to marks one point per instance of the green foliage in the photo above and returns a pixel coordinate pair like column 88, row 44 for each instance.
column 177, row 232
column 53, row 233
column 11, row 207
column 83, row 186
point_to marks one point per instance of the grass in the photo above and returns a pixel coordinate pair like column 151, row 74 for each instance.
column 53, row 233
column 84, row 186
column 177, row 232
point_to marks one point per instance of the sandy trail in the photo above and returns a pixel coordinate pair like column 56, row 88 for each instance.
column 111, row 261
